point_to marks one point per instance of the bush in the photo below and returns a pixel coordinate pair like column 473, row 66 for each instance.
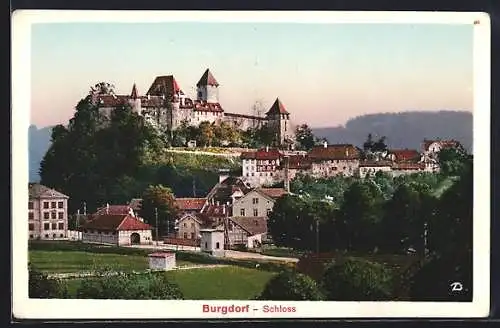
column 40, row 286
column 129, row 286
column 357, row 280
column 291, row 286
column 433, row 281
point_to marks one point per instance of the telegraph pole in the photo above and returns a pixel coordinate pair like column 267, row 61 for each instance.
column 156, row 217
column 426, row 250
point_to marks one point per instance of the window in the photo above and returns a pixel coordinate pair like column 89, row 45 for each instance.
column 31, row 236
column 60, row 215
column 252, row 174
column 268, row 211
column 30, row 205
column 54, row 235
column 242, row 212
column 185, row 235
column 192, row 225
column 255, row 200
column 61, row 225
column 45, row 205
column 53, row 215
column 31, row 227
column 185, row 224
column 61, row 235
column 31, row 216
column 192, row 235
column 206, row 245
column 46, row 236
column 46, row 226
column 60, row 205
column 46, row 215
column 255, row 212
column 199, row 94
column 53, row 204
column 54, row 226
column 217, row 245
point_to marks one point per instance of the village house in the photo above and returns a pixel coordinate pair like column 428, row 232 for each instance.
column 47, row 212
column 116, row 229
column 114, row 210
column 430, row 151
column 407, row 168
column 331, row 160
column 188, row 226
column 297, row 164
column 190, row 205
column 261, row 167
column 245, row 231
column 370, row 168
column 227, row 191
column 258, row 202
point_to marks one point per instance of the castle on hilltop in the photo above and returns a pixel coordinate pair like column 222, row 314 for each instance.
column 167, row 107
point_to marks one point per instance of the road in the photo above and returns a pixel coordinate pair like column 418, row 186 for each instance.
column 229, row 254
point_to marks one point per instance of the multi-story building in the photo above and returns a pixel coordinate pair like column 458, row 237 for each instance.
column 258, row 202
column 47, row 213
column 331, row 160
column 261, row 167
column 430, row 151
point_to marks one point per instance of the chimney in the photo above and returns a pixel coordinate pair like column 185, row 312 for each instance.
column 267, row 149
column 149, row 97
column 325, row 144
column 107, row 208
column 218, row 203
column 224, row 209
column 346, row 152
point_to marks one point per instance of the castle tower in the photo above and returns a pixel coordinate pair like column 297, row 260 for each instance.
column 279, row 120
column 207, row 88
column 135, row 101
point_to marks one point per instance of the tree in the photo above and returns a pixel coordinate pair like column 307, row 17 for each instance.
column 206, row 135
column 40, row 286
column 304, row 137
column 284, row 221
column 291, row 286
column 102, row 88
column 162, row 199
column 452, row 161
column 354, row 279
column 361, row 212
column 129, row 286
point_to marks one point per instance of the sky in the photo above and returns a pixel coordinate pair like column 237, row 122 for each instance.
column 324, row 74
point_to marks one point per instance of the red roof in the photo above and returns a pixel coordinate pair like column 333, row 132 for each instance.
column 273, row 192
column 405, row 154
column 277, row 108
column 116, row 223
column 112, row 100
column 164, row 85
column 334, row 152
column 207, row 79
column 114, row 209
column 203, row 106
column 215, row 210
column 193, row 204
column 134, row 94
column 262, row 154
column 298, row 162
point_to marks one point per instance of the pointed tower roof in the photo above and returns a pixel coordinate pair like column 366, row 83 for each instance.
column 207, row 79
column 134, row 95
column 277, row 108
column 164, row 85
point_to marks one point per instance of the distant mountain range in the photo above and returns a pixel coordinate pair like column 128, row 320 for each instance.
column 403, row 130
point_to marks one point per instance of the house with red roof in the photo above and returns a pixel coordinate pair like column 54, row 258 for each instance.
column 247, row 231
column 431, row 149
column 116, row 229
column 330, row 160
column 261, row 167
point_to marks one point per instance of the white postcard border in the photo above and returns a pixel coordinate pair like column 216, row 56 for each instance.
column 25, row 308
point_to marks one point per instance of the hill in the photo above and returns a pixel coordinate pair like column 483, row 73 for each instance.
column 38, row 143
column 403, row 130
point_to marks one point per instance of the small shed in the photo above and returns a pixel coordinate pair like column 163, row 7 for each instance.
column 212, row 241
column 162, row 261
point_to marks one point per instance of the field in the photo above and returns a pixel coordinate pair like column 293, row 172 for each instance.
column 75, row 261
column 223, row 283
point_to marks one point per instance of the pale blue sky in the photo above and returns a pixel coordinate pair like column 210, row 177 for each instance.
column 323, row 73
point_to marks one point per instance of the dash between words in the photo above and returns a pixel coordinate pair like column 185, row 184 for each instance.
column 225, row 309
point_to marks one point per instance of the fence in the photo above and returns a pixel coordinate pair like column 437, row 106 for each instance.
column 74, row 235
column 182, row 242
